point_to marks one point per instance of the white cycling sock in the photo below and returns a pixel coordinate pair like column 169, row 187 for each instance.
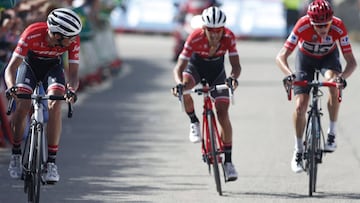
column 299, row 146
column 332, row 128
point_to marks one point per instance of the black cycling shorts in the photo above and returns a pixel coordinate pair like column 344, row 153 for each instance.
column 50, row 71
column 305, row 67
column 212, row 70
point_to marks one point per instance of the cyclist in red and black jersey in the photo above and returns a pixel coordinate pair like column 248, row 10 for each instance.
column 203, row 57
column 317, row 36
column 37, row 57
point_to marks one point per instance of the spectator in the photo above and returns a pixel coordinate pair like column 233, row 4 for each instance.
column 292, row 13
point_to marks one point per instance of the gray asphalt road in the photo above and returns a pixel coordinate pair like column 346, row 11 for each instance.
column 128, row 142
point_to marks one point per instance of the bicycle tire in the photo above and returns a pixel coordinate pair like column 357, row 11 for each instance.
column 214, row 153
column 312, row 151
column 38, row 162
column 30, row 176
column 317, row 149
column 33, row 153
column 25, row 161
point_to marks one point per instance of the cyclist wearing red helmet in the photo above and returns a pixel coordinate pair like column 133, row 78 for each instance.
column 316, row 35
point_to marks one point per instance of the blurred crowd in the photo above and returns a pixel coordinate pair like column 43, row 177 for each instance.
column 16, row 15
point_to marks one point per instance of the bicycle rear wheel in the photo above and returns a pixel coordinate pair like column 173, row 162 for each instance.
column 214, row 153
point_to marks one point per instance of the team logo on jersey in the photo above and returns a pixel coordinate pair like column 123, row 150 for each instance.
column 317, row 49
column 293, row 38
column 328, row 39
column 76, row 48
column 344, row 41
column 314, row 38
column 33, row 36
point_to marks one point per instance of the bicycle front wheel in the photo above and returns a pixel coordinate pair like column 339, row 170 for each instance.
column 312, row 152
column 214, row 153
column 33, row 153
column 38, row 162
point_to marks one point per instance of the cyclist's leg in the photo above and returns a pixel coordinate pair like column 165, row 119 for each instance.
column 19, row 117
column 304, row 71
column 305, row 68
column 222, row 104
column 331, row 68
column 190, row 79
column 333, row 103
column 54, row 84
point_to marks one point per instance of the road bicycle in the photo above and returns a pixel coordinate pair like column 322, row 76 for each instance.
column 35, row 148
column 314, row 142
column 211, row 143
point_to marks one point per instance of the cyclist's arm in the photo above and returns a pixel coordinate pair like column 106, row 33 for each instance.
column 350, row 65
column 73, row 76
column 10, row 71
column 235, row 65
column 179, row 68
column 282, row 60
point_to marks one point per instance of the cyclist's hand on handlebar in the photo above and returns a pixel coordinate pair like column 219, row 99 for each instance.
column 11, row 92
column 177, row 89
column 341, row 81
column 70, row 96
column 232, row 82
column 288, row 80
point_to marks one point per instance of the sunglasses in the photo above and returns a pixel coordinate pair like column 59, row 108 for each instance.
column 321, row 25
column 216, row 30
column 70, row 38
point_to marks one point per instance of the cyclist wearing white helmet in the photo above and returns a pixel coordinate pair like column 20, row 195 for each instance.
column 37, row 57
column 203, row 57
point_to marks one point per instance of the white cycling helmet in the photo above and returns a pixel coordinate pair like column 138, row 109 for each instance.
column 64, row 21
column 213, row 17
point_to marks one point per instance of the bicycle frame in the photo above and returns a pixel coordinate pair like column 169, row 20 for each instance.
column 212, row 144
column 209, row 119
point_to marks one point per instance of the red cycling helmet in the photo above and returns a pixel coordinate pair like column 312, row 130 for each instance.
column 320, row 11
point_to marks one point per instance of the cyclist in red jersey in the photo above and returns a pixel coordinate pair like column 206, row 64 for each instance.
column 37, row 57
column 316, row 35
column 203, row 57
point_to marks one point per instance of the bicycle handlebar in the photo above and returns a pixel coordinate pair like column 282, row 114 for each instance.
column 305, row 83
column 204, row 90
column 37, row 97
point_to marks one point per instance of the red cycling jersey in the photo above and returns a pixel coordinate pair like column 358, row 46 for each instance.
column 311, row 44
column 198, row 43
column 34, row 39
